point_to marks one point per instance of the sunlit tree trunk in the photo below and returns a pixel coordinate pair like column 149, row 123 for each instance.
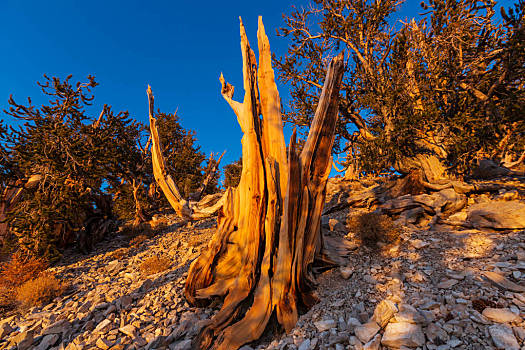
column 268, row 229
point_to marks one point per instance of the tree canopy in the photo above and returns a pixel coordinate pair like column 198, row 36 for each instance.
column 445, row 89
column 79, row 165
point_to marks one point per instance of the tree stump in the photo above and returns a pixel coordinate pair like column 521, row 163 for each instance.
column 268, row 228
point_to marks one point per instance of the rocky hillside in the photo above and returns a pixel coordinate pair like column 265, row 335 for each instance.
column 445, row 283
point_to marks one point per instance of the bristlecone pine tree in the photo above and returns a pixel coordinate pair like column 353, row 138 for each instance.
column 232, row 174
column 268, row 230
column 434, row 95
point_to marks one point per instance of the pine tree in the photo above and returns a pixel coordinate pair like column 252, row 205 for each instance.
column 72, row 156
column 232, row 173
column 433, row 96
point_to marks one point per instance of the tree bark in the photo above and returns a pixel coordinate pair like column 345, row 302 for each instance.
column 10, row 196
column 211, row 171
column 268, row 228
column 140, row 216
column 186, row 209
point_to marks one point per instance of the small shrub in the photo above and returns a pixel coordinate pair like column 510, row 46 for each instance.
column 138, row 240
column 131, row 230
column 159, row 224
column 154, row 264
column 40, row 290
column 479, row 304
column 374, row 228
column 20, row 269
column 15, row 272
column 119, row 253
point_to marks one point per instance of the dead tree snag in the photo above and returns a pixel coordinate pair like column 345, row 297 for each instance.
column 268, row 228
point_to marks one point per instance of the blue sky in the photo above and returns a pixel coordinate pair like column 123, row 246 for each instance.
column 178, row 47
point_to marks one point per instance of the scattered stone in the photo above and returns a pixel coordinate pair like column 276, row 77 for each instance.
column 436, row 334
column 104, row 343
column 408, row 313
column 418, row 244
column 305, row 345
column 346, row 272
column 383, row 312
column 335, row 225
column 502, row 282
column 503, row 338
column 182, row 345
column 500, row 315
column 59, row 327
column 128, row 330
column 325, row 325
column 373, row 344
column 403, row 334
column 47, row 342
column 5, row 330
column 23, row 340
column 456, row 275
column 126, row 301
column 110, row 294
column 447, row 283
column 103, row 326
column 366, row 331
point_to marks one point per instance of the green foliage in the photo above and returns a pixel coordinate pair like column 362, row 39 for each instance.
column 79, row 159
column 75, row 155
column 232, row 174
column 450, row 85
column 183, row 156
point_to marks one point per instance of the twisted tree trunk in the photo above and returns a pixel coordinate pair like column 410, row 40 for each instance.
column 268, row 229
column 192, row 209
column 10, row 196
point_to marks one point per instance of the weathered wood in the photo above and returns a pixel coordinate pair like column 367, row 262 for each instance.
column 268, row 230
column 211, row 171
column 186, row 209
column 10, row 196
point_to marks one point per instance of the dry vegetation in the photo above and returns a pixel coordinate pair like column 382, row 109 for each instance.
column 159, row 224
column 119, row 253
column 131, row 230
column 154, row 264
column 136, row 241
column 23, row 280
column 40, row 290
column 375, row 229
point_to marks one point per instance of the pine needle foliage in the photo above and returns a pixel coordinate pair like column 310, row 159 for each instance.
column 449, row 84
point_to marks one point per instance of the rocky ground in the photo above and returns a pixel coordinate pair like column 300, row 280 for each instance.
column 439, row 288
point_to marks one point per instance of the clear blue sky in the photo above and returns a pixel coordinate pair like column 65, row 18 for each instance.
column 178, row 47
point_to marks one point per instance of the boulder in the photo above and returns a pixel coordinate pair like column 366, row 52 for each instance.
column 366, row 331
column 503, row 337
column 508, row 215
column 47, row 342
column 383, row 312
column 325, row 325
column 500, row 315
column 489, row 169
column 403, row 334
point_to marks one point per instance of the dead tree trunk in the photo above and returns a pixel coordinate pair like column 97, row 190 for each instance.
column 9, row 198
column 268, row 229
column 186, row 209
column 211, row 171
column 140, row 215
